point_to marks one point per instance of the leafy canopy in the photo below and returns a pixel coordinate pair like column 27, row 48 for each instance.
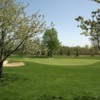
column 16, row 26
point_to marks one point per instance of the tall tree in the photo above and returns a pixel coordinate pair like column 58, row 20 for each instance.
column 16, row 27
column 50, row 39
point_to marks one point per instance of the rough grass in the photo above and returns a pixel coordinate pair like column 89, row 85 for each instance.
column 53, row 77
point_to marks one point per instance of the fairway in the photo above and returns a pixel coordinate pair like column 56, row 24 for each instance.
column 64, row 77
column 62, row 62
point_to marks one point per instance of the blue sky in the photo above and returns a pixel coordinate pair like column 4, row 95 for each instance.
column 63, row 14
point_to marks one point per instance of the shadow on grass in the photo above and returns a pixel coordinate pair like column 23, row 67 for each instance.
column 86, row 98
column 10, row 78
column 48, row 97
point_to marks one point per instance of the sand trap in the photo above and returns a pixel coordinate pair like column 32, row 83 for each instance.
column 14, row 64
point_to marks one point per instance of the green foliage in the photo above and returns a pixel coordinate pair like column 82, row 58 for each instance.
column 91, row 27
column 77, row 50
column 17, row 28
column 68, row 52
column 50, row 40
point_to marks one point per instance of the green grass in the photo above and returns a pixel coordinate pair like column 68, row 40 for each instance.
column 62, row 62
column 65, row 77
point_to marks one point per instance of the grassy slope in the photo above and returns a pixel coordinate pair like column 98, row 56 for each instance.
column 34, row 80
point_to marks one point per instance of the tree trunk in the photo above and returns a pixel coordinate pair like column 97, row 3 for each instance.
column 98, row 44
column 1, row 69
column 51, row 53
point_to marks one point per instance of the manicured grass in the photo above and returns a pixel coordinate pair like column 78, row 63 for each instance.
column 62, row 62
column 65, row 77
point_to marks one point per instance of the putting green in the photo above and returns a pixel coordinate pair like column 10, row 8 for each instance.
column 63, row 62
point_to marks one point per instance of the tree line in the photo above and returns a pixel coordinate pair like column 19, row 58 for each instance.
column 41, row 50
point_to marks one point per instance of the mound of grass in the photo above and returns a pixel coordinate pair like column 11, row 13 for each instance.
column 63, row 62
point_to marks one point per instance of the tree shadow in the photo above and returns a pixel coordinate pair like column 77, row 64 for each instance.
column 10, row 78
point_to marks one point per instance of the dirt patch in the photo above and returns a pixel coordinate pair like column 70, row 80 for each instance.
column 13, row 64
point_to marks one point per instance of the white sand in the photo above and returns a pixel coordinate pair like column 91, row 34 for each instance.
column 13, row 64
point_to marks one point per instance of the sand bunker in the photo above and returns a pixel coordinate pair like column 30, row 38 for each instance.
column 13, row 64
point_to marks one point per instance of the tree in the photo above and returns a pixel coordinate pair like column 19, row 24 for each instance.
column 50, row 39
column 98, row 1
column 30, row 47
column 77, row 49
column 91, row 27
column 16, row 27
column 37, row 47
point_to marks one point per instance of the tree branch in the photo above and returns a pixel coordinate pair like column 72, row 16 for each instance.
column 14, row 49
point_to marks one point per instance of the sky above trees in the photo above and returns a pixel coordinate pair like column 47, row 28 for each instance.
column 63, row 13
